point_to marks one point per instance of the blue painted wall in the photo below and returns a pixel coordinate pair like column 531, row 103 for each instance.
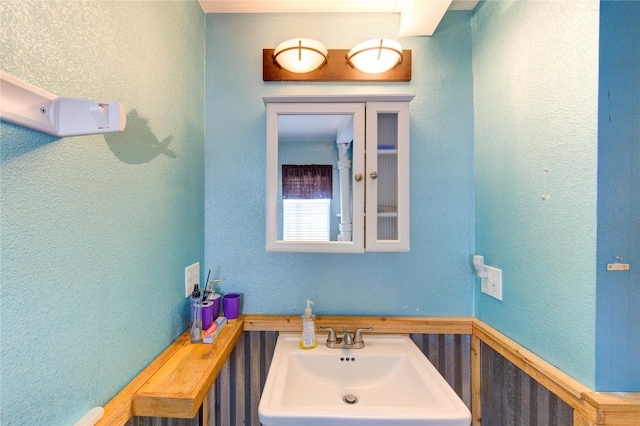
column 618, row 316
column 96, row 230
column 535, row 71
column 435, row 277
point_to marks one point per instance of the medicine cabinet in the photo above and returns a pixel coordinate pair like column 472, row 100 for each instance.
column 337, row 173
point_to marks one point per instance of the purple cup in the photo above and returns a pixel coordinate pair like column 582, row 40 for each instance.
column 231, row 305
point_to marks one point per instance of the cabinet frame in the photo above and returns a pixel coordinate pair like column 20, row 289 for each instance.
column 364, row 109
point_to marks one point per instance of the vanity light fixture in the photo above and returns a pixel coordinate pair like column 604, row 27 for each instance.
column 303, row 59
column 376, row 56
column 300, row 55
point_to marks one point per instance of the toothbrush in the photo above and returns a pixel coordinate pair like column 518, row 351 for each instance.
column 204, row 293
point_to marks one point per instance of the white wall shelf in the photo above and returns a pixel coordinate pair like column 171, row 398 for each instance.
column 29, row 106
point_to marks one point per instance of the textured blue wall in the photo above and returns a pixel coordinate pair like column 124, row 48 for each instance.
column 435, row 277
column 535, row 80
column 96, row 230
column 618, row 316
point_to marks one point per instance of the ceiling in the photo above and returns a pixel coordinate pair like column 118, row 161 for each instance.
column 417, row 17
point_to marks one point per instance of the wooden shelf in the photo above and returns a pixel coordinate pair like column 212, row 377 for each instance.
column 178, row 388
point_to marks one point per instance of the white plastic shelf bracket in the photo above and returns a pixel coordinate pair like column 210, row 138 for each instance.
column 29, row 106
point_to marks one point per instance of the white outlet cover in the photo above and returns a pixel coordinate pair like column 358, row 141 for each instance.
column 492, row 285
column 191, row 277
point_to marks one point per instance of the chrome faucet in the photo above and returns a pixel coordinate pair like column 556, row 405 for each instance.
column 347, row 341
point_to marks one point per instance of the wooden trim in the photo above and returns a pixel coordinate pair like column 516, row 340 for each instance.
column 616, row 408
column 336, row 69
column 476, row 382
column 580, row 420
column 392, row 324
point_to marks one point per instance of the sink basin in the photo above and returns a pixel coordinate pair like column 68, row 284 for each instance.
column 388, row 382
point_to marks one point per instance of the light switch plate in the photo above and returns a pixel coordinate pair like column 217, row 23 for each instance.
column 191, row 277
column 492, row 285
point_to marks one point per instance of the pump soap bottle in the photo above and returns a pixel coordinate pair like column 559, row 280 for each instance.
column 196, row 315
column 308, row 339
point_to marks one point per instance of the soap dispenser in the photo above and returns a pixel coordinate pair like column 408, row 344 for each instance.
column 308, row 339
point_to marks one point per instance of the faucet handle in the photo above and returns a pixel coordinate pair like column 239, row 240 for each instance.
column 357, row 336
column 332, row 334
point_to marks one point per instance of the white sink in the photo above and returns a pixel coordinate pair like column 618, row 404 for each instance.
column 388, row 382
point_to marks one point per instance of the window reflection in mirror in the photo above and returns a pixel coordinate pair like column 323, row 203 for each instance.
column 306, row 141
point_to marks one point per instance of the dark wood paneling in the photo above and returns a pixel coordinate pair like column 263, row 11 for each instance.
column 236, row 394
column 511, row 397
column 451, row 355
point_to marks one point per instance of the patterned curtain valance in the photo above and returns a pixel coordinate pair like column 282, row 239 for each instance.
column 307, row 181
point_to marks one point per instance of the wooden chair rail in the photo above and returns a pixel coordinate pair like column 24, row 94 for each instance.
column 380, row 324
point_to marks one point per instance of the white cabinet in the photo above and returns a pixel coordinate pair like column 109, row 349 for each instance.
column 364, row 140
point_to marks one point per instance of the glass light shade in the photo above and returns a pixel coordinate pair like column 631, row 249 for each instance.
column 375, row 56
column 300, row 55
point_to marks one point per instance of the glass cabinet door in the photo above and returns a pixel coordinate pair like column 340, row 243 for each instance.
column 387, row 184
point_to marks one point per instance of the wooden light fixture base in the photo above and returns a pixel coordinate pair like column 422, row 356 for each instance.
column 336, row 69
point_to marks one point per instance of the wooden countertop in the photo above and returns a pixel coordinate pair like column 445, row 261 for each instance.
column 179, row 386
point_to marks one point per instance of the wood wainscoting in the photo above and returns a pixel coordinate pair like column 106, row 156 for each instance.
column 478, row 362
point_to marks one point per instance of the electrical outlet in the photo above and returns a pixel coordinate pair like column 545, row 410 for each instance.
column 191, row 277
column 492, row 285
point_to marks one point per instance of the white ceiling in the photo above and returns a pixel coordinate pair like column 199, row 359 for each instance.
column 417, row 17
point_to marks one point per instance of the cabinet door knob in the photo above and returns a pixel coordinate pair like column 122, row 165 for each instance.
column 373, row 175
column 358, row 177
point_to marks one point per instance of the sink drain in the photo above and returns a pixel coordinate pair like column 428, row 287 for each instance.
column 350, row 399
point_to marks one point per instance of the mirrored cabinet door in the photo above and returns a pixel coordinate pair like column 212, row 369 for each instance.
column 314, row 153
column 387, row 189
